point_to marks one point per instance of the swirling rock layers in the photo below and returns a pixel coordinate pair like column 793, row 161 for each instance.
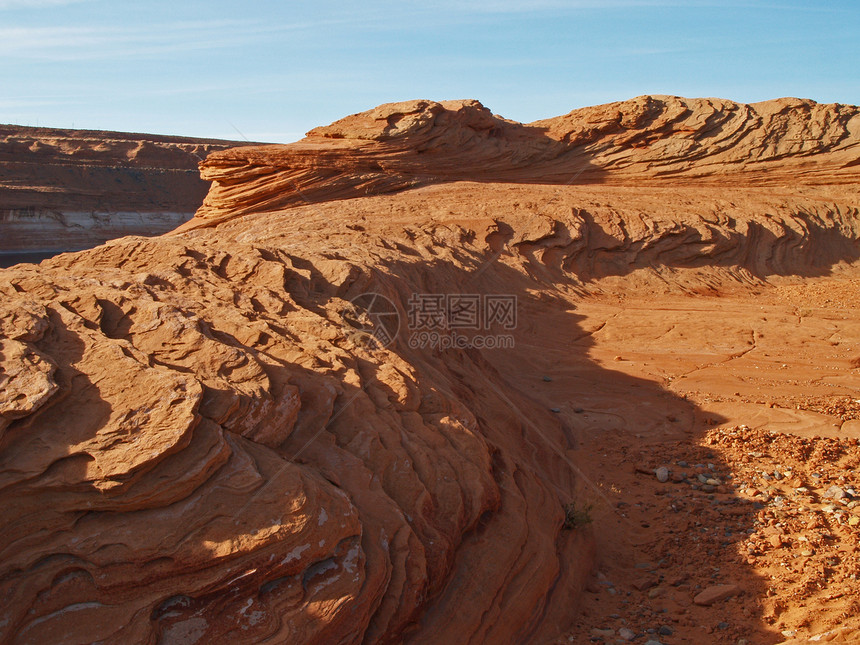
column 201, row 423
column 200, row 441
column 644, row 141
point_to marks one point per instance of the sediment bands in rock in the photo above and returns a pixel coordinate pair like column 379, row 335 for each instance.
column 647, row 140
column 196, row 447
column 73, row 189
column 198, row 442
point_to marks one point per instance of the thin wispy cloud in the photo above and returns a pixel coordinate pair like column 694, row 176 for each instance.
column 36, row 102
column 110, row 42
column 278, row 68
column 517, row 6
column 461, row 8
column 6, row 5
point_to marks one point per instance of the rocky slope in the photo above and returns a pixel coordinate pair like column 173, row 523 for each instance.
column 255, row 429
column 63, row 190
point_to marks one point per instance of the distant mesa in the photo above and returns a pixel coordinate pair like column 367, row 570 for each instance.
column 67, row 190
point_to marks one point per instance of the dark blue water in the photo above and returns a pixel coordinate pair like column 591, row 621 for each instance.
column 8, row 258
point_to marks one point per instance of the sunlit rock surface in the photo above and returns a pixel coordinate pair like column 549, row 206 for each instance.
column 201, row 440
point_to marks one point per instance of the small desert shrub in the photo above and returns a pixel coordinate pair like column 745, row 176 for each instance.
column 576, row 516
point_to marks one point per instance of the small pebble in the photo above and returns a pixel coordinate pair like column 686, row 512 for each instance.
column 603, row 633
column 835, row 492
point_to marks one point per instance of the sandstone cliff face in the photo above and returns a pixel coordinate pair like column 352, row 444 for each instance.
column 644, row 141
column 209, row 425
column 63, row 190
column 200, row 440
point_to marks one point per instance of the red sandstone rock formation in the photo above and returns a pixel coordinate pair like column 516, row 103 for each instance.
column 647, row 140
column 199, row 441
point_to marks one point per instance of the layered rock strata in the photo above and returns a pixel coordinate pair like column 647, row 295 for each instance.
column 67, row 190
column 650, row 140
column 205, row 438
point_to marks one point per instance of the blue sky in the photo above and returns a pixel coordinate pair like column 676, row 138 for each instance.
column 271, row 70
